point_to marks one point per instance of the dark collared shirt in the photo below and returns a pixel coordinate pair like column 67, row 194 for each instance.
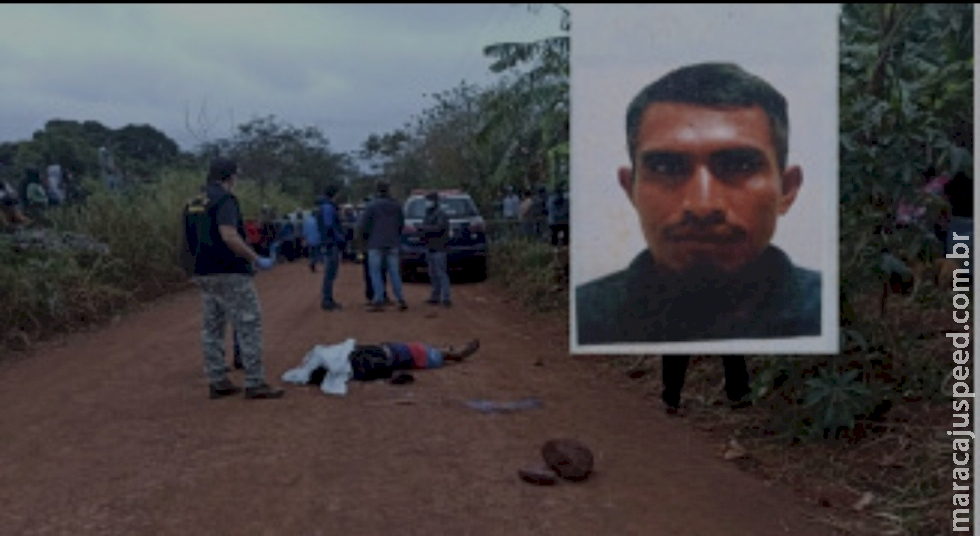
column 769, row 298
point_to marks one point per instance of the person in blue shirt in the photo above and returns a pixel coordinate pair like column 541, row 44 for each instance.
column 311, row 236
column 332, row 238
column 287, row 237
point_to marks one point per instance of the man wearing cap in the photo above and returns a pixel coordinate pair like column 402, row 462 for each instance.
column 223, row 270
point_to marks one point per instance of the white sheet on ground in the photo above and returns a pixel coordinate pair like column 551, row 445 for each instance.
column 334, row 358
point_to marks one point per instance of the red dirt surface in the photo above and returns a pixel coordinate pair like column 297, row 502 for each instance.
column 112, row 432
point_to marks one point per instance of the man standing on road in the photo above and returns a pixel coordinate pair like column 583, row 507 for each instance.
column 368, row 285
column 435, row 230
column 331, row 231
column 312, row 236
column 382, row 226
column 223, row 269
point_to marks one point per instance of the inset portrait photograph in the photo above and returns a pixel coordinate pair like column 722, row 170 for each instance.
column 704, row 179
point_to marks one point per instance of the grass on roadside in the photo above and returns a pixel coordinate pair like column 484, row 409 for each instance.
column 536, row 273
column 47, row 292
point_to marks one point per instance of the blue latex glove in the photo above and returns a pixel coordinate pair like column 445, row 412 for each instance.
column 265, row 263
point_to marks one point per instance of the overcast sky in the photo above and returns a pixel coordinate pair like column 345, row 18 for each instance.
column 350, row 70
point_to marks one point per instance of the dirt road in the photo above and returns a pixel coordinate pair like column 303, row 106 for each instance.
column 112, row 432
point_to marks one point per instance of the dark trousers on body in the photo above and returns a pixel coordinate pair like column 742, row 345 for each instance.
column 675, row 368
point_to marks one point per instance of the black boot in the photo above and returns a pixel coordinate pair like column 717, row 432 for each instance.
column 223, row 388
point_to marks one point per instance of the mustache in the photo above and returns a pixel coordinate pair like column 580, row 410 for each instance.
column 712, row 228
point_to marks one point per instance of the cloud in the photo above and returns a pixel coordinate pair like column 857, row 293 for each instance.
column 350, row 69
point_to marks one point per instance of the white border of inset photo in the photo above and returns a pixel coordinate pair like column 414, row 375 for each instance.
column 618, row 49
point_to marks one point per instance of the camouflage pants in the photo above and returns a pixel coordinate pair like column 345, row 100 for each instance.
column 231, row 297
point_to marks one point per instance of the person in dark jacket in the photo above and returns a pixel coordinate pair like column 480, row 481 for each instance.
column 381, row 227
column 368, row 285
column 435, row 230
column 332, row 237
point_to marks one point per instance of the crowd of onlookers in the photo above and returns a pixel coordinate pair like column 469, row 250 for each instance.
column 538, row 213
column 38, row 191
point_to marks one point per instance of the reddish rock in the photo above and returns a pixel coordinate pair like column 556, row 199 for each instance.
column 568, row 458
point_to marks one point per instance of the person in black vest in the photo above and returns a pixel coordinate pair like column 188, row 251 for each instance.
column 223, row 269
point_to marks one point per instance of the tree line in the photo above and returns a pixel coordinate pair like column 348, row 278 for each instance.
column 477, row 138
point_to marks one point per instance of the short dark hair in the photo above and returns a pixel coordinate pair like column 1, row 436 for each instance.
column 713, row 84
column 222, row 169
column 383, row 187
column 331, row 191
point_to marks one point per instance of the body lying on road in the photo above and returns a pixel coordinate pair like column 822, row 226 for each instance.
column 331, row 367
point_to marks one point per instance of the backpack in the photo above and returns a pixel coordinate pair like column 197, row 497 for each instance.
column 331, row 233
column 197, row 224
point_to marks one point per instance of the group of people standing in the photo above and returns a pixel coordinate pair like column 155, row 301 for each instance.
column 36, row 193
column 224, row 265
column 539, row 212
column 380, row 228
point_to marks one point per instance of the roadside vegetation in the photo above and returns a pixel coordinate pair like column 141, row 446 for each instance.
column 100, row 258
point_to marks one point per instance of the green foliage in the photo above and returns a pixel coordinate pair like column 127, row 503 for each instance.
column 48, row 291
column 906, row 106
column 514, row 132
column 533, row 271
column 275, row 155
column 836, row 399
column 139, row 150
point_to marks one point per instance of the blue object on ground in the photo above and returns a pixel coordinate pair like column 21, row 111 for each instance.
column 490, row 406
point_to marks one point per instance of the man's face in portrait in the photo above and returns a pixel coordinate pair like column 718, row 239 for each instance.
column 707, row 185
